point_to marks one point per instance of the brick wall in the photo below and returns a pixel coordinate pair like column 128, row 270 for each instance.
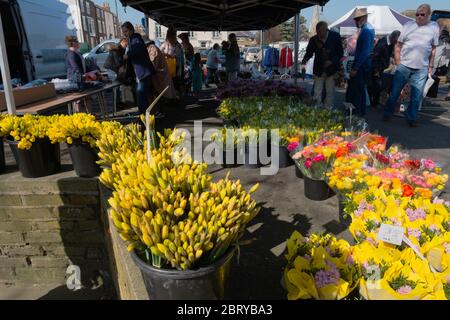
column 47, row 224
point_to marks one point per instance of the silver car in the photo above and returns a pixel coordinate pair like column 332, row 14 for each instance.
column 101, row 52
column 252, row 55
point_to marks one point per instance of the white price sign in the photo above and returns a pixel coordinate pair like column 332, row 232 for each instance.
column 391, row 234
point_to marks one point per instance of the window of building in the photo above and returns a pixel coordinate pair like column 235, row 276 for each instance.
column 85, row 28
column 216, row 34
column 88, row 8
column 158, row 33
column 191, row 34
column 203, row 44
column 91, row 26
column 82, row 6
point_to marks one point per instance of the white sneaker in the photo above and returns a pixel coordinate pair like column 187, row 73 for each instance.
column 402, row 108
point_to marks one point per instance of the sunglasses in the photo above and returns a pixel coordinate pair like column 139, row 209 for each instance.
column 420, row 14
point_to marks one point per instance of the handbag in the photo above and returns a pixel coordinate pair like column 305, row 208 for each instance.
column 125, row 74
column 172, row 66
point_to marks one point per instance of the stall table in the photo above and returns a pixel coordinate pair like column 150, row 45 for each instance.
column 69, row 100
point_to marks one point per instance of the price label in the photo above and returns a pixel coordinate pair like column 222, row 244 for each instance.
column 391, row 234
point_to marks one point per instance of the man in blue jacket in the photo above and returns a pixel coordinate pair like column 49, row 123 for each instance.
column 327, row 49
column 357, row 86
column 137, row 54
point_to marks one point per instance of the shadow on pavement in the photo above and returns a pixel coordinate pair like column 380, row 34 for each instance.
column 259, row 271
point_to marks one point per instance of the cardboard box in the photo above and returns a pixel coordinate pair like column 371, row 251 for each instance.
column 23, row 97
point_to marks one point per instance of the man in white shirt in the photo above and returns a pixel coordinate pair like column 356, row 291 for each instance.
column 414, row 57
column 212, row 63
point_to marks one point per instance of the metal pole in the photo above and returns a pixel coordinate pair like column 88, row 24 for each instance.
column 261, row 43
column 296, row 39
column 6, row 75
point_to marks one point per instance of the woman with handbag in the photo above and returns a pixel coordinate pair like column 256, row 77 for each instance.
column 161, row 79
column 173, row 51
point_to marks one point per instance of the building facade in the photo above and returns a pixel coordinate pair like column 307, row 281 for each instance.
column 198, row 39
column 94, row 23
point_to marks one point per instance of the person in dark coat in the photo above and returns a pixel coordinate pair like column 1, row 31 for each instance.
column 327, row 49
column 137, row 54
column 382, row 53
column 76, row 68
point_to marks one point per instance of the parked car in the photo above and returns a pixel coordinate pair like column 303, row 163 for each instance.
column 251, row 56
column 101, row 52
column 34, row 34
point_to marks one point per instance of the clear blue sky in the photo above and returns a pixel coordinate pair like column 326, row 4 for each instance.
column 125, row 14
column 332, row 11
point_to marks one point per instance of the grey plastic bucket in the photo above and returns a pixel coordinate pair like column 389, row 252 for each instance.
column 205, row 283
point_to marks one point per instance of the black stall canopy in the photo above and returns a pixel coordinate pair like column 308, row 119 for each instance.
column 221, row 15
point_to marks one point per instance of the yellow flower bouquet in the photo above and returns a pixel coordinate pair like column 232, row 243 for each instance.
column 26, row 129
column 76, row 128
column 319, row 267
column 390, row 274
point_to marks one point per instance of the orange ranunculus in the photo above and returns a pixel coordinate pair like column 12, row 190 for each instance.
column 408, row 191
column 341, row 152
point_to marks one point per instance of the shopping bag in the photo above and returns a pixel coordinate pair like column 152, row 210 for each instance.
column 172, row 66
column 428, row 85
column 432, row 92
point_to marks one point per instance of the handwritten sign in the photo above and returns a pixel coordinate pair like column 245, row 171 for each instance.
column 391, row 234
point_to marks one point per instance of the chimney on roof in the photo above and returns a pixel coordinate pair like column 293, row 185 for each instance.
column 106, row 7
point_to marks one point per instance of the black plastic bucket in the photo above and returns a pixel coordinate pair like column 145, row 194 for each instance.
column 42, row 159
column 284, row 159
column 84, row 159
column 298, row 173
column 317, row 190
column 344, row 219
column 2, row 156
column 207, row 283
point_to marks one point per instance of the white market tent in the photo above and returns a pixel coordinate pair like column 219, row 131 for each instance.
column 383, row 19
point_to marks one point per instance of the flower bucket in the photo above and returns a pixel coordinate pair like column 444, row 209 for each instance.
column 84, row 159
column 206, row 283
column 345, row 220
column 284, row 159
column 317, row 190
column 298, row 173
column 2, row 156
column 42, row 159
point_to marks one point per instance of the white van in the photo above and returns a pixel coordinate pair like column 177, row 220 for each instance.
column 34, row 33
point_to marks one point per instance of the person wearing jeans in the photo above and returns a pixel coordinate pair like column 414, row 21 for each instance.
column 414, row 56
column 212, row 64
column 360, row 73
column 417, row 79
